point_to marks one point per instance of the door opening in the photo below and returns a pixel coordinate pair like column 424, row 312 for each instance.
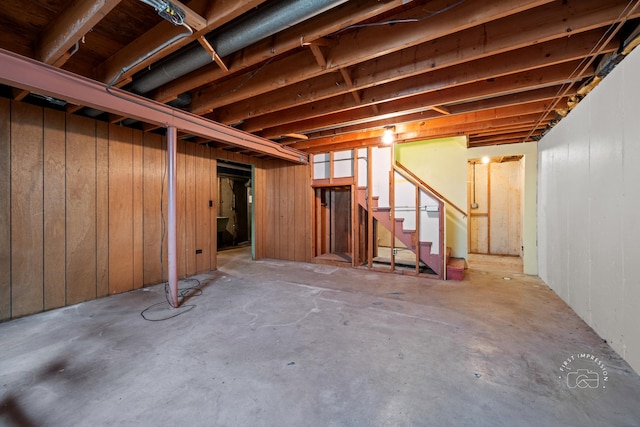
column 333, row 224
column 234, row 208
column 495, row 190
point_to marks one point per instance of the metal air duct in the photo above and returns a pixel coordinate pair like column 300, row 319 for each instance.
column 264, row 23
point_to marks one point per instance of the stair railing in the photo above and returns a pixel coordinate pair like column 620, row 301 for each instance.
column 425, row 187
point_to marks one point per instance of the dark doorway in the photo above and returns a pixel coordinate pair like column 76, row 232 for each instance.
column 234, row 205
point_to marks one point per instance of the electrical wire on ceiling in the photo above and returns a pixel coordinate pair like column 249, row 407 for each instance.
column 404, row 21
column 189, row 32
column 608, row 35
column 167, row 10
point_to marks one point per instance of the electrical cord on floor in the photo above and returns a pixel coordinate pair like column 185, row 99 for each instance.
column 182, row 295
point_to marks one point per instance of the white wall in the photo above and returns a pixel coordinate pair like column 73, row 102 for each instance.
column 588, row 204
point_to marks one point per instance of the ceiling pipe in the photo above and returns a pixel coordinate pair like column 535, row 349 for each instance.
column 255, row 27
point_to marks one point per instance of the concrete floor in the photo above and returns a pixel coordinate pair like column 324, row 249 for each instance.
column 274, row 343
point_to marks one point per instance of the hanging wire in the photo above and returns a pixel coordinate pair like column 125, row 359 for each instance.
column 404, row 21
column 586, row 61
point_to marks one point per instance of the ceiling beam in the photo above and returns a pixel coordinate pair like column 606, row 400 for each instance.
column 216, row 13
column 360, row 45
column 25, row 73
column 425, row 134
column 545, row 94
column 441, row 121
column 495, row 38
column 362, row 118
column 70, row 26
column 323, row 87
column 313, row 29
column 499, row 86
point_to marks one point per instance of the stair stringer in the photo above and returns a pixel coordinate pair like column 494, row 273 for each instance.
column 407, row 237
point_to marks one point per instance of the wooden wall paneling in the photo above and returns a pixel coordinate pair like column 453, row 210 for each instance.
column 102, row 209
column 271, row 188
column 54, row 209
column 291, row 231
column 181, row 206
column 26, row 209
column 304, row 200
column 81, row 209
column 299, row 219
column 202, row 209
column 284, row 232
column 120, row 209
column 138, row 206
column 190, row 166
column 153, row 164
column 5, row 209
column 259, row 207
column 213, row 196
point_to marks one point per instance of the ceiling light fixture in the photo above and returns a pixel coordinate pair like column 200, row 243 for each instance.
column 388, row 137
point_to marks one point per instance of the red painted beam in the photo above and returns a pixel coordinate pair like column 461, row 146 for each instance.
column 25, row 73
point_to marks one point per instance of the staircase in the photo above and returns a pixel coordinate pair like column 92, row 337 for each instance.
column 407, row 237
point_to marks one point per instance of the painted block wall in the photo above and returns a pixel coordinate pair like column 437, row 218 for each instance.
column 588, row 202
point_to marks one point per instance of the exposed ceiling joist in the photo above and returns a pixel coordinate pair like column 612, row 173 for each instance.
column 327, row 23
column 70, row 26
column 30, row 75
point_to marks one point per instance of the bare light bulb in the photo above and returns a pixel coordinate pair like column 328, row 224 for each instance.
column 387, row 137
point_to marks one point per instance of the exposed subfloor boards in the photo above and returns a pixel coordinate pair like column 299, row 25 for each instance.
column 283, row 343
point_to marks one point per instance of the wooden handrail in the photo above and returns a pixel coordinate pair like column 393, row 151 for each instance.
column 417, row 181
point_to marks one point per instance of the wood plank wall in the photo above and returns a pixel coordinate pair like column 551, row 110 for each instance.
column 284, row 196
column 80, row 209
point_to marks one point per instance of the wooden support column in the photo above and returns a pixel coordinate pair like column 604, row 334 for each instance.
column 417, row 235
column 392, row 205
column 369, row 207
column 355, row 210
